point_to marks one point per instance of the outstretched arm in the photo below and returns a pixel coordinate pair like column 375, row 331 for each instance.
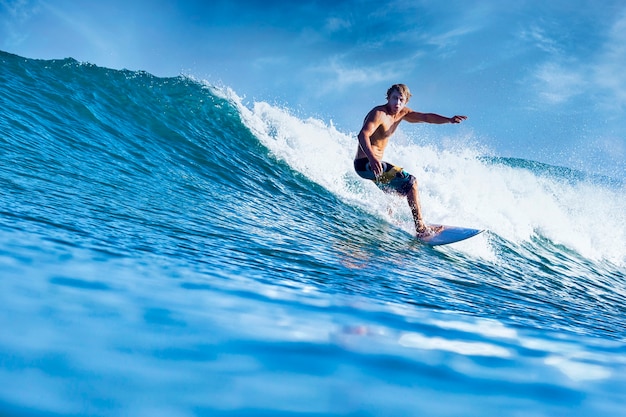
column 416, row 117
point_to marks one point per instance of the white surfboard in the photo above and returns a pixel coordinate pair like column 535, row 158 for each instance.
column 449, row 234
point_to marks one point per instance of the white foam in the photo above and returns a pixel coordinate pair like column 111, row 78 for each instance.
column 456, row 187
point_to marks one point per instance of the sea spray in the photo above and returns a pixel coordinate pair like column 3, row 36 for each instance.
column 458, row 186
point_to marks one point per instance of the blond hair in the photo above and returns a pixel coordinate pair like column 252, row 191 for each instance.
column 400, row 88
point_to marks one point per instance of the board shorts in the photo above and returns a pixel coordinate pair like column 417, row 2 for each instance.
column 393, row 180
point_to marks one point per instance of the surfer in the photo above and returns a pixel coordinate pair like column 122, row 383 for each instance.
column 378, row 127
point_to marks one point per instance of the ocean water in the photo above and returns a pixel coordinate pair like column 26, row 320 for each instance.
column 169, row 249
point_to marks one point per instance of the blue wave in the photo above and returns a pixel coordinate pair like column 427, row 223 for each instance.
column 169, row 195
column 559, row 172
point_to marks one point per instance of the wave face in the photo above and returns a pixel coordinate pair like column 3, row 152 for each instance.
column 165, row 246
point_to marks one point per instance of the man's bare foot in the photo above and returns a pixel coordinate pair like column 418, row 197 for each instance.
column 429, row 231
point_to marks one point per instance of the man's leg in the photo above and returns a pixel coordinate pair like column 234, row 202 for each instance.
column 414, row 203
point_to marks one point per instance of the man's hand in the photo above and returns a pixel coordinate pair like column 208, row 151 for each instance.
column 457, row 119
column 376, row 166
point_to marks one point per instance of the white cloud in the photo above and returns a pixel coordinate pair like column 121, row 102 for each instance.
column 19, row 11
column 451, row 37
column 14, row 14
column 345, row 76
column 335, row 24
column 539, row 38
column 600, row 76
column 341, row 75
column 557, row 83
column 608, row 70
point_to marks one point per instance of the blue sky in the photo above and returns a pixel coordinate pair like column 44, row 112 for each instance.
column 539, row 79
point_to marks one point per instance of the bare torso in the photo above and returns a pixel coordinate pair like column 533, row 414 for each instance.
column 380, row 125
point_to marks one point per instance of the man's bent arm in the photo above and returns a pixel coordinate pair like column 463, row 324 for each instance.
column 365, row 144
column 368, row 129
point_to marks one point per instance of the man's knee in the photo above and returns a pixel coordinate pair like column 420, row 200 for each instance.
column 409, row 185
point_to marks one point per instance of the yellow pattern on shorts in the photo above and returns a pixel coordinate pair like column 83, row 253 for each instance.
column 388, row 176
